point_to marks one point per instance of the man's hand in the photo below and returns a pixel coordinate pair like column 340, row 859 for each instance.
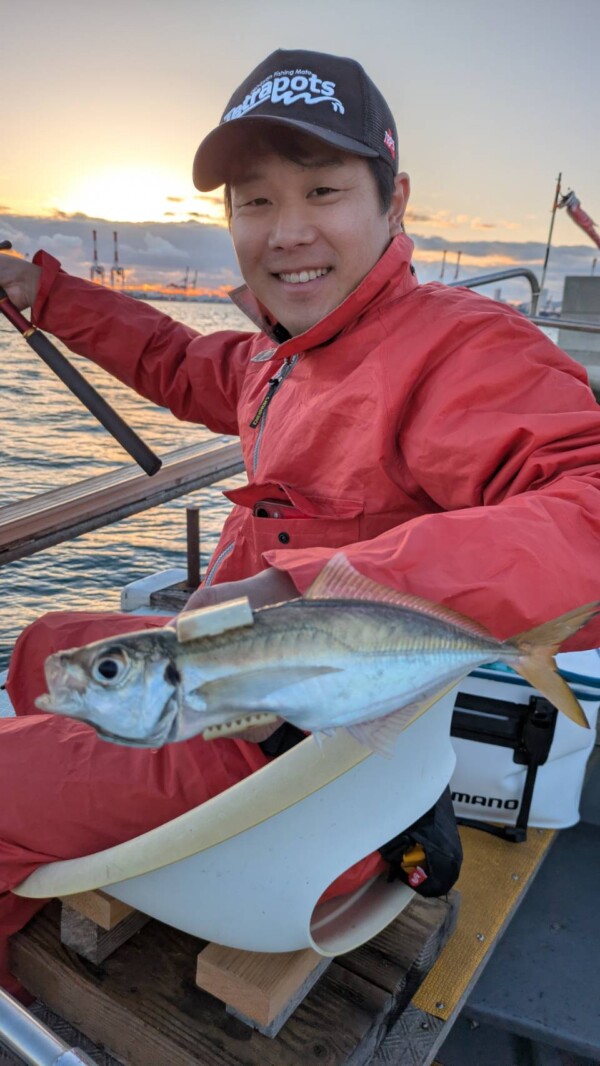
column 20, row 280
column 270, row 586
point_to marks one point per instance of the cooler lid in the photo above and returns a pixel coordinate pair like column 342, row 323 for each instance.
column 580, row 668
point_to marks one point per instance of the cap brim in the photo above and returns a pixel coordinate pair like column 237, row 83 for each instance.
column 211, row 162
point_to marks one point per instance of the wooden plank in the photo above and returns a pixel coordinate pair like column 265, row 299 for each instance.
column 262, row 986
column 143, row 1006
column 31, row 525
column 99, row 907
column 173, row 598
column 400, row 957
column 82, row 935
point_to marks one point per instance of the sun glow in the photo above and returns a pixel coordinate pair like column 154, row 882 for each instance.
column 139, row 194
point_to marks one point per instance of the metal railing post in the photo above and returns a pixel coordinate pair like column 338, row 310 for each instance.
column 502, row 275
column 26, row 1036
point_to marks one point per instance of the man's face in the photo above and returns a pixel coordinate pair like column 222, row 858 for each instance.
column 306, row 235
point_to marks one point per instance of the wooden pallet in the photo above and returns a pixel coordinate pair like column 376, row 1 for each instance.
column 142, row 1002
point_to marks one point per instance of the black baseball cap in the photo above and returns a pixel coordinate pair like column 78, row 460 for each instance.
column 329, row 97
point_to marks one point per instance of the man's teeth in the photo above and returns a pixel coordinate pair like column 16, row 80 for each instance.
column 304, row 276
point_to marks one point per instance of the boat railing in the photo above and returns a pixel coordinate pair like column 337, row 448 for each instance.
column 48, row 518
column 555, row 322
column 548, row 321
column 503, row 275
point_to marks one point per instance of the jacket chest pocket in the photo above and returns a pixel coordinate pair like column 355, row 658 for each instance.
column 295, row 533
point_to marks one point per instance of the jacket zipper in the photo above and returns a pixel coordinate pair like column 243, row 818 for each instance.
column 210, row 576
column 258, row 422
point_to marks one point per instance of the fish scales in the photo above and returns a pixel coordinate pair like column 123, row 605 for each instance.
column 347, row 655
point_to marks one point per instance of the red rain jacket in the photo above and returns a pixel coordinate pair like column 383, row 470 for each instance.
column 438, row 437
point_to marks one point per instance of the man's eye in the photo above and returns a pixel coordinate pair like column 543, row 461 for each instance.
column 322, row 190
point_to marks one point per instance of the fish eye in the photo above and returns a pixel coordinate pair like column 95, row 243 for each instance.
column 110, row 667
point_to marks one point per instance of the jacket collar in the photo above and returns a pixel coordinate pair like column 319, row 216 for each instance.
column 392, row 273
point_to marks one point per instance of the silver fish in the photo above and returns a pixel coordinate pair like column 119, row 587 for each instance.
column 350, row 654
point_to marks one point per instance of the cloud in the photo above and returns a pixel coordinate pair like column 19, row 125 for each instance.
column 151, row 254
column 158, row 254
column 61, row 244
column 482, row 257
column 414, row 216
column 199, row 215
column 445, row 220
column 159, row 249
column 478, row 223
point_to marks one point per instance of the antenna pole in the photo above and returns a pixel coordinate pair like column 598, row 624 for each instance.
column 547, row 256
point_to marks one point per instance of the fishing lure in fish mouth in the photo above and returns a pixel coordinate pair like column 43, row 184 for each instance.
column 350, row 654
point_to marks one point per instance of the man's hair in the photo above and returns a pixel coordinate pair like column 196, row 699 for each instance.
column 297, row 148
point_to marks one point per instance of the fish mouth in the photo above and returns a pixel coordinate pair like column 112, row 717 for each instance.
column 166, row 727
column 238, row 725
column 56, row 703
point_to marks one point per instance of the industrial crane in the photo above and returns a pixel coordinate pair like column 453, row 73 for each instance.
column 96, row 270
column 116, row 270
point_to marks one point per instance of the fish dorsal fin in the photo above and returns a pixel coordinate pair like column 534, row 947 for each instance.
column 339, row 580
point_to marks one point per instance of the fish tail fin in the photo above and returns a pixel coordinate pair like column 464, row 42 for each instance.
column 537, row 648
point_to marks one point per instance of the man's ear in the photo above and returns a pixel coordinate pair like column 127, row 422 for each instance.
column 398, row 205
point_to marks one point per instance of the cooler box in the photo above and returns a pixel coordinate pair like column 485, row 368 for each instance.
column 520, row 762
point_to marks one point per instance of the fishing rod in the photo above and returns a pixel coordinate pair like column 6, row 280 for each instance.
column 86, row 393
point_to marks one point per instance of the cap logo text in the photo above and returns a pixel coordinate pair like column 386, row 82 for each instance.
column 288, row 87
column 389, row 142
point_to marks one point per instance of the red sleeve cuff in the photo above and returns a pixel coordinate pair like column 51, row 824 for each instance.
column 51, row 268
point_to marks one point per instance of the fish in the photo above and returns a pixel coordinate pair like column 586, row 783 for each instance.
column 350, row 654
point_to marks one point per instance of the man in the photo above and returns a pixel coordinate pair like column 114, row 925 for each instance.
column 439, row 438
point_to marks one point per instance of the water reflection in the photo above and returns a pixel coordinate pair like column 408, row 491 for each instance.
column 47, row 440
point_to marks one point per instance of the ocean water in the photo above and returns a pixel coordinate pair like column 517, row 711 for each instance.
column 48, row 439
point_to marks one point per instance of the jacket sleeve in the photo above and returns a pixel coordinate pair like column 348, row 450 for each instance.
column 197, row 377
column 504, row 436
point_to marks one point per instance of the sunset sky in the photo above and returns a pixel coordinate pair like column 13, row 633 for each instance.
column 105, row 104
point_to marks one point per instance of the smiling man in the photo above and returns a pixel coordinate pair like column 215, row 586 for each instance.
column 308, row 228
column 438, row 438
column 312, row 185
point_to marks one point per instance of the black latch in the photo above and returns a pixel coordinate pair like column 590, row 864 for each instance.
column 537, row 733
column 526, row 728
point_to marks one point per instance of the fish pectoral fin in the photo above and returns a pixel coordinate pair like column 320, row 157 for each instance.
column 381, row 734
column 243, row 689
